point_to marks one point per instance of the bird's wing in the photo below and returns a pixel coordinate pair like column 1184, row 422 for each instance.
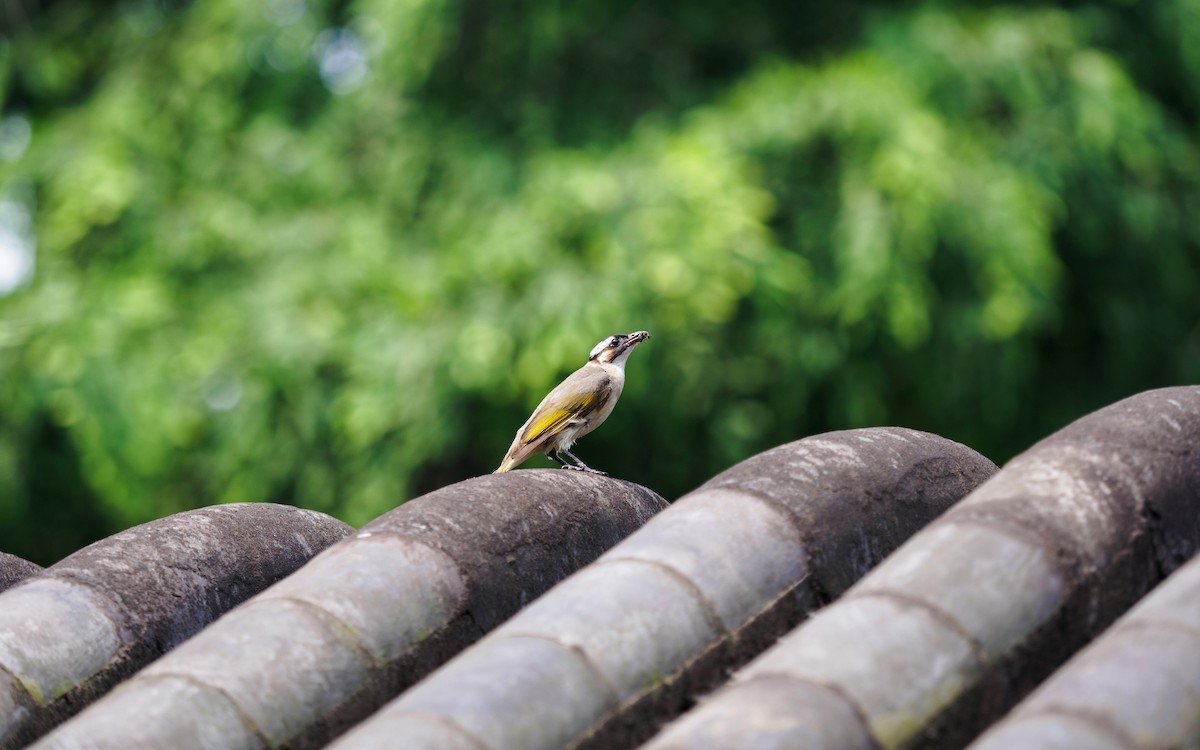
column 582, row 393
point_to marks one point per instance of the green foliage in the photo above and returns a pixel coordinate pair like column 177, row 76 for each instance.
column 332, row 255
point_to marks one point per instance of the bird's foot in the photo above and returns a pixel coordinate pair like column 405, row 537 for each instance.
column 586, row 469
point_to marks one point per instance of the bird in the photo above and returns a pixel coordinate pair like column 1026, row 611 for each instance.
column 576, row 406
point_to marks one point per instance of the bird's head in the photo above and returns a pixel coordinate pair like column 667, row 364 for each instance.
column 616, row 348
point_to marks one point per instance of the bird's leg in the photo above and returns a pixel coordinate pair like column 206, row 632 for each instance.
column 580, row 465
column 562, row 464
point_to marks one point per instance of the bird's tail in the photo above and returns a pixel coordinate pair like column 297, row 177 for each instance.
column 508, row 462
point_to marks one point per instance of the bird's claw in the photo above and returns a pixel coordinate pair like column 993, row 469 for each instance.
column 587, row 469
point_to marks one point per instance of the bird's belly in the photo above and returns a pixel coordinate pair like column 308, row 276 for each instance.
column 563, row 440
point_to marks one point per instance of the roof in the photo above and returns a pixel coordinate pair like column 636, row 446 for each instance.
column 878, row 587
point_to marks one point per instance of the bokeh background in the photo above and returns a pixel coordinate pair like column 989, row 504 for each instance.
column 331, row 253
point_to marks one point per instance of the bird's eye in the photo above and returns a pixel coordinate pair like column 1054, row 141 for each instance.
column 615, row 342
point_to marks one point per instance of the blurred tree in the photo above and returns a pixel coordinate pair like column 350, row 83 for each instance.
column 332, row 253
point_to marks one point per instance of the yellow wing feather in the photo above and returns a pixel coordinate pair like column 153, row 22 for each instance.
column 555, row 419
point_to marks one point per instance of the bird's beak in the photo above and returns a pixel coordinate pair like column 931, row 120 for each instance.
column 635, row 338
